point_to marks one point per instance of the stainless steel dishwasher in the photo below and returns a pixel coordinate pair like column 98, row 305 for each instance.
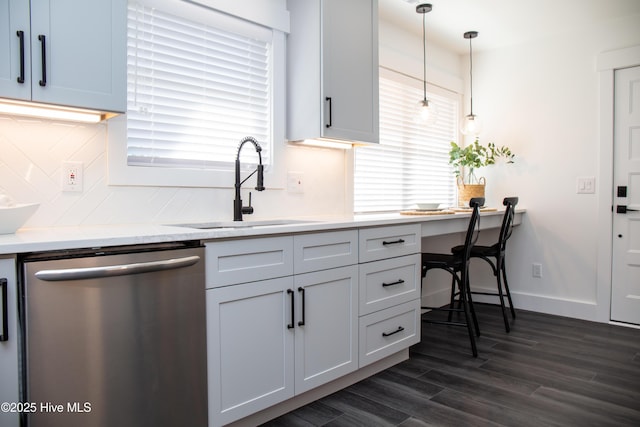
column 114, row 337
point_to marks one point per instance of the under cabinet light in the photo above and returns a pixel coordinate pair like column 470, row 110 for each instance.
column 330, row 143
column 54, row 112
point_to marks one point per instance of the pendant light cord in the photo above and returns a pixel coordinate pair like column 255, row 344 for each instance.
column 424, row 56
column 471, row 73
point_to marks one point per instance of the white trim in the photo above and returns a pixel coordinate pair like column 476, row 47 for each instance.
column 607, row 63
column 585, row 310
column 269, row 13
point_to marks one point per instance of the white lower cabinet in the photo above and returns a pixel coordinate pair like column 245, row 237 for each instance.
column 326, row 334
column 9, row 388
column 388, row 331
column 269, row 340
column 286, row 314
column 389, row 280
column 250, row 350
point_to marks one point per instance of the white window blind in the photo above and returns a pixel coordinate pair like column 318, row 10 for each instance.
column 194, row 91
column 411, row 163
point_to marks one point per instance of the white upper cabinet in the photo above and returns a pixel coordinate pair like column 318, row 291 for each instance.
column 65, row 52
column 332, row 53
column 15, row 59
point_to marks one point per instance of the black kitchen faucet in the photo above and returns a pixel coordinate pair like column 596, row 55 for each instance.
column 238, row 209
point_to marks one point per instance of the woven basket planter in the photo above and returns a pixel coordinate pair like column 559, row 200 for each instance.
column 468, row 191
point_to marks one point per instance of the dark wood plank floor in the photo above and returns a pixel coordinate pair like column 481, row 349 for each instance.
column 549, row 371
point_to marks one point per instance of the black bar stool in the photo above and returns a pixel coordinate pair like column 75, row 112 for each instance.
column 458, row 265
column 494, row 255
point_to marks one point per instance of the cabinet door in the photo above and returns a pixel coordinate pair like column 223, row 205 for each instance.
column 9, row 345
column 326, row 326
column 14, row 17
column 350, row 69
column 249, row 348
column 85, row 46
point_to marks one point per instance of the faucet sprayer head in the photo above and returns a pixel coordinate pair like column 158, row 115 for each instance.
column 260, row 183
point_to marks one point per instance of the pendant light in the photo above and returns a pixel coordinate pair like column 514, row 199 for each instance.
column 471, row 124
column 427, row 112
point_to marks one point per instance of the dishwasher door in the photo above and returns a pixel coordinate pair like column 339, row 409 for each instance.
column 116, row 340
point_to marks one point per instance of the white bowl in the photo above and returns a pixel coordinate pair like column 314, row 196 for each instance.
column 13, row 217
column 427, row 206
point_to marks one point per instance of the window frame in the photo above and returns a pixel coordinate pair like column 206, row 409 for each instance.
column 407, row 80
column 120, row 173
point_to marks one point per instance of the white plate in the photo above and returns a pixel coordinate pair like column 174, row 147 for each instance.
column 428, row 206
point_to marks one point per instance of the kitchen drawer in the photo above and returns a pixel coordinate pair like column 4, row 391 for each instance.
column 388, row 331
column 389, row 282
column 321, row 251
column 391, row 241
column 247, row 260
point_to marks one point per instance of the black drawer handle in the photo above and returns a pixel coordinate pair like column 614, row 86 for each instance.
column 393, row 242
column 290, row 325
column 5, row 315
column 301, row 290
column 397, row 282
column 388, row 334
column 328, row 98
column 43, row 43
column 20, row 35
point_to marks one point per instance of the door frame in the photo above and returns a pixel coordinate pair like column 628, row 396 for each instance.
column 607, row 63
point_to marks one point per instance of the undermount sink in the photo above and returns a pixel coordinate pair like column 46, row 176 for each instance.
column 245, row 224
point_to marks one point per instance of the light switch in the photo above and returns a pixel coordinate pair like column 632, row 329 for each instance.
column 586, row 185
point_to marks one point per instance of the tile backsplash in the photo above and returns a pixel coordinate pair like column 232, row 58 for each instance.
column 32, row 152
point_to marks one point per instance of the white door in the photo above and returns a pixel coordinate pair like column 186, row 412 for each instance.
column 625, row 286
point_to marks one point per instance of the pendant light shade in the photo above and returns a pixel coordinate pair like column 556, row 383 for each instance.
column 427, row 112
column 471, row 125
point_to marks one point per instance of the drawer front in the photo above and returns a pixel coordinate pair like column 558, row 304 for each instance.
column 386, row 242
column 389, row 282
column 321, row 251
column 247, row 260
column 388, row 331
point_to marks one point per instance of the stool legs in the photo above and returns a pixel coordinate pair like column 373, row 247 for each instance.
column 468, row 313
column 506, row 287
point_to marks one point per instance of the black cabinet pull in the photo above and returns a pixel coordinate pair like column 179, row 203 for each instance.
column 388, row 334
column 393, row 242
column 43, row 44
column 328, row 98
column 20, row 35
column 301, row 290
column 5, row 315
column 290, row 325
column 397, row 282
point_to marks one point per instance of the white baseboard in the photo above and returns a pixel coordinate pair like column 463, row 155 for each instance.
column 585, row 310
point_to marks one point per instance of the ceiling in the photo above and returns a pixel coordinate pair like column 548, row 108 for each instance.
column 501, row 23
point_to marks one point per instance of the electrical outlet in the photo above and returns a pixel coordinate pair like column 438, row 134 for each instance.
column 72, row 176
column 536, row 270
column 295, row 182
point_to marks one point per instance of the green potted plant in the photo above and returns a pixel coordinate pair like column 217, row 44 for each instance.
column 466, row 160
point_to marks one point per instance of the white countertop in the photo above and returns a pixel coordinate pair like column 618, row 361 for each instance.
column 60, row 238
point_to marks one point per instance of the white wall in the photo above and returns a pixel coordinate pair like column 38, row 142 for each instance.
column 542, row 99
column 31, row 153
